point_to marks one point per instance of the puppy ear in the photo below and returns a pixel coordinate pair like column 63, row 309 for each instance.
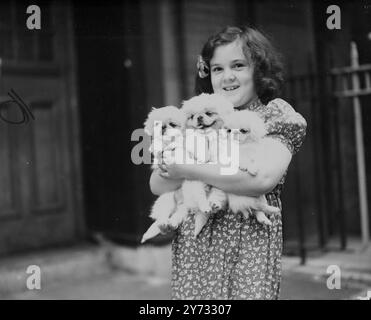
column 148, row 127
column 258, row 126
column 148, row 124
column 262, row 130
column 184, row 104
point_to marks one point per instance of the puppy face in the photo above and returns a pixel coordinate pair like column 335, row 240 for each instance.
column 206, row 111
column 250, row 127
column 170, row 117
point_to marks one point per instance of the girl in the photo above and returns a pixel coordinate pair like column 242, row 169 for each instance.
column 234, row 257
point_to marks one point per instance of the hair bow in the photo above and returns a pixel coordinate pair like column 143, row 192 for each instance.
column 203, row 69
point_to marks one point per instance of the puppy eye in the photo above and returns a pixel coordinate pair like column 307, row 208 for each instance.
column 244, row 131
column 191, row 117
column 229, row 130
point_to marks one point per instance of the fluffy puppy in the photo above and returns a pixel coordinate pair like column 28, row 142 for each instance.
column 172, row 121
column 247, row 129
column 206, row 111
column 205, row 115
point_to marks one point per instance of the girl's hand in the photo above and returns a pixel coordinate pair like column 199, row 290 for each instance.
column 173, row 171
column 161, row 161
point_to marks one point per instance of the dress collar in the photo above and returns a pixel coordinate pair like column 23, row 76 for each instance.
column 252, row 105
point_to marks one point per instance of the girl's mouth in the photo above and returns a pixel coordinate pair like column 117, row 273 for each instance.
column 230, row 88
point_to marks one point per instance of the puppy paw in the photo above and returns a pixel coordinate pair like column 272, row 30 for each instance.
column 216, row 207
column 166, row 227
column 174, row 222
column 262, row 219
column 193, row 211
column 206, row 208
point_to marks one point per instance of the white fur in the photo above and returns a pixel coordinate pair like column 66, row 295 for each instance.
column 169, row 115
column 209, row 110
column 255, row 130
column 165, row 204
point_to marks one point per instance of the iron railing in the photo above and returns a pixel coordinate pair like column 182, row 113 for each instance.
column 323, row 92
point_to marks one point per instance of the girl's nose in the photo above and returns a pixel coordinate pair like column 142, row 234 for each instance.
column 229, row 75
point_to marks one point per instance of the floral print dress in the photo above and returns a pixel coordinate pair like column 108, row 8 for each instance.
column 234, row 257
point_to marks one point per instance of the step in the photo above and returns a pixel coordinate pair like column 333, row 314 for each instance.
column 73, row 262
column 82, row 261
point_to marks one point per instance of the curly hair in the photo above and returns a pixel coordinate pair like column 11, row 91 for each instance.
column 268, row 68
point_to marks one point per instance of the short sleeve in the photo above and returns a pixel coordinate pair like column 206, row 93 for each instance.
column 285, row 124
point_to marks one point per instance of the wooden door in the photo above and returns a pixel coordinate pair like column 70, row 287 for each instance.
column 39, row 173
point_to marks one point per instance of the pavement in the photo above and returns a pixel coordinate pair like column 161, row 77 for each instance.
column 118, row 285
column 110, row 272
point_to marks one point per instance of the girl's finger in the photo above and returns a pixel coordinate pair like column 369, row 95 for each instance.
column 164, row 175
column 162, row 167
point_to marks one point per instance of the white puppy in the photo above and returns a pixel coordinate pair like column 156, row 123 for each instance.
column 170, row 123
column 247, row 129
column 205, row 116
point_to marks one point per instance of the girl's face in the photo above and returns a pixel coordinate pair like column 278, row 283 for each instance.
column 231, row 74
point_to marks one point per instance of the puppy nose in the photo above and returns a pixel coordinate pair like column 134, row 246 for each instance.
column 199, row 119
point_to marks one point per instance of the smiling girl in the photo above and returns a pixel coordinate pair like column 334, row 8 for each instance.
column 234, row 257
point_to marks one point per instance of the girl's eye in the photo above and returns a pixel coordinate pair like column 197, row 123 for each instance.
column 209, row 113
column 238, row 66
column 216, row 69
column 243, row 131
column 172, row 124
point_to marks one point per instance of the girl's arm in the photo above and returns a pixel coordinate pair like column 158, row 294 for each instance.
column 160, row 185
column 273, row 159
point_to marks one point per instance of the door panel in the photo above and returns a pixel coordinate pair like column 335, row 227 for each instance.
column 37, row 174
